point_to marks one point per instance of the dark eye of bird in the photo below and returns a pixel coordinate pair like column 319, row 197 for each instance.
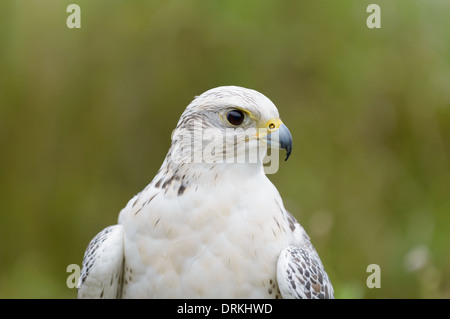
column 235, row 117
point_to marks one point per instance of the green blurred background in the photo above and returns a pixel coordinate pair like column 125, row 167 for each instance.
column 86, row 116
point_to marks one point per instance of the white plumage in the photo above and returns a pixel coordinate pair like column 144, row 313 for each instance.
column 209, row 229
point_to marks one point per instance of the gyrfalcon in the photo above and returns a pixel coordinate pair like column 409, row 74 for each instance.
column 210, row 224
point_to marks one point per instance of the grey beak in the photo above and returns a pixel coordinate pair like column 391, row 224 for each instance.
column 284, row 139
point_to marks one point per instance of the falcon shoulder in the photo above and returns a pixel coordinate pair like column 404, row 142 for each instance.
column 300, row 273
column 101, row 274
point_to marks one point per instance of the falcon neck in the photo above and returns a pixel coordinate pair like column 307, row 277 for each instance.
column 180, row 176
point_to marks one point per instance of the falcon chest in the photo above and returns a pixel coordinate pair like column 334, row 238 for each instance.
column 217, row 240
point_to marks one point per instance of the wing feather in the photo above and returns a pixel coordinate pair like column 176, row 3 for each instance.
column 101, row 274
column 300, row 275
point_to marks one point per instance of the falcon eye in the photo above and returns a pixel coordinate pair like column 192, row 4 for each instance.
column 235, row 117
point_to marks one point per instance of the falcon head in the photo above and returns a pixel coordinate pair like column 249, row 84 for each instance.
column 229, row 124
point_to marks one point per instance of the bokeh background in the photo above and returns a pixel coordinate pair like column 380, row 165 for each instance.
column 86, row 116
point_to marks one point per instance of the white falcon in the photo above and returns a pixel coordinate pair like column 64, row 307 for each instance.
column 210, row 224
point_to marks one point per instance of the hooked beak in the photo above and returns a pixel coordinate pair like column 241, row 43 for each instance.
column 284, row 139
